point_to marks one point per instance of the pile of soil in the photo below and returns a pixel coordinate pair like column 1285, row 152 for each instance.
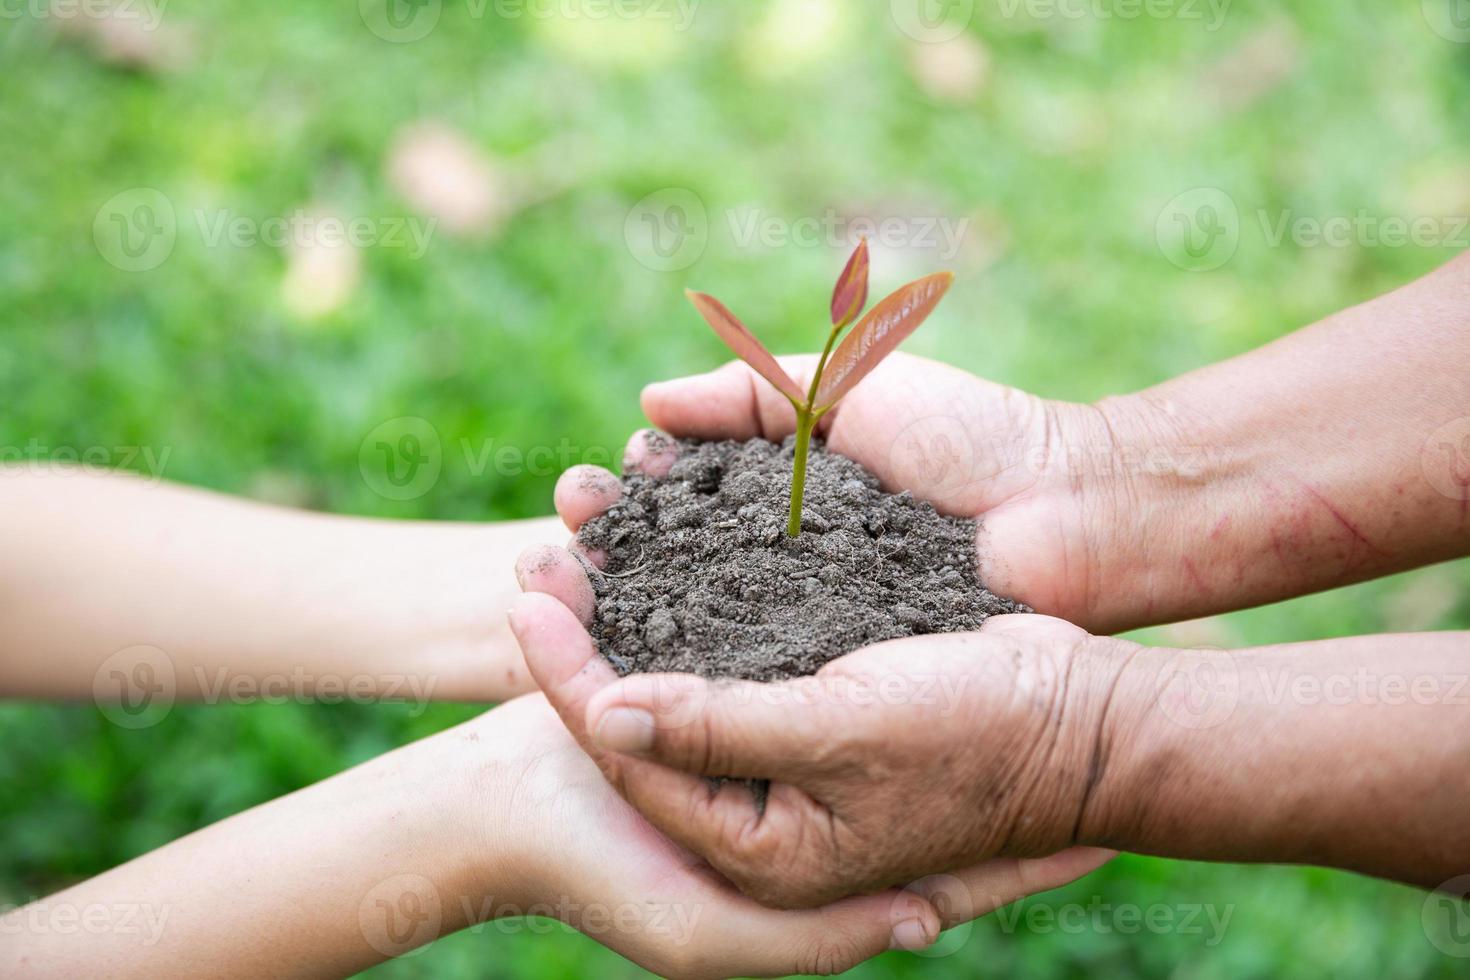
column 702, row 578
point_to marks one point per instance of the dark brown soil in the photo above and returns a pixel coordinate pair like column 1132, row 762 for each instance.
column 701, row 576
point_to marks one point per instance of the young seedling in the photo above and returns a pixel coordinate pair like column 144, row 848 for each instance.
column 874, row 338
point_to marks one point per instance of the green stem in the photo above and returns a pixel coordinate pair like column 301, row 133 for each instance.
column 806, row 420
column 811, row 394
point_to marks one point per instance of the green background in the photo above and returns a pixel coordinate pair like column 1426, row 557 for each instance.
column 1081, row 131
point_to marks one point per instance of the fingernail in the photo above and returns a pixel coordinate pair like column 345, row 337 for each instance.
column 912, row 935
column 627, row 730
column 513, row 616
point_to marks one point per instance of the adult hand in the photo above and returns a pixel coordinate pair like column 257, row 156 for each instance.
column 582, row 854
column 913, row 756
column 1054, row 525
column 1224, row 488
column 1059, row 489
column 894, row 763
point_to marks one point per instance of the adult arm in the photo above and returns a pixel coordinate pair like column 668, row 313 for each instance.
column 1349, row 753
column 1336, row 454
column 1032, row 738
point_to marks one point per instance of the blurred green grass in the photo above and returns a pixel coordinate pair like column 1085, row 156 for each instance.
column 1083, row 130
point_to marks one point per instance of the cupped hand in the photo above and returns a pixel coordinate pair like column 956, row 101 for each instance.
column 582, row 854
column 904, row 760
column 1048, row 481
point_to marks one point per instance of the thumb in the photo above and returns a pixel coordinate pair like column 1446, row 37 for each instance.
column 968, row 893
column 562, row 658
column 732, row 402
column 727, row 728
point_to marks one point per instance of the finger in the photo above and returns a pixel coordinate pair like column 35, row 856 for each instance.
column 732, row 402
column 982, row 888
column 1042, row 628
column 567, row 667
column 729, row 728
column 782, row 855
column 651, row 453
column 556, row 572
column 663, row 735
column 561, row 657
column 584, row 492
column 823, row 941
column 595, row 557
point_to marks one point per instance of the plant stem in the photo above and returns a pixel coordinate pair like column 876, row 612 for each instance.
column 806, row 420
column 811, row 394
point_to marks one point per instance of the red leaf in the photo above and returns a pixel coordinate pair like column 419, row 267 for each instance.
column 878, row 333
column 851, row 291
column 740, row 340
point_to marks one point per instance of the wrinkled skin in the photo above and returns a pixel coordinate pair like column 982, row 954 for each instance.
column 583, row 854
column 896, row 762
column 908, row 758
